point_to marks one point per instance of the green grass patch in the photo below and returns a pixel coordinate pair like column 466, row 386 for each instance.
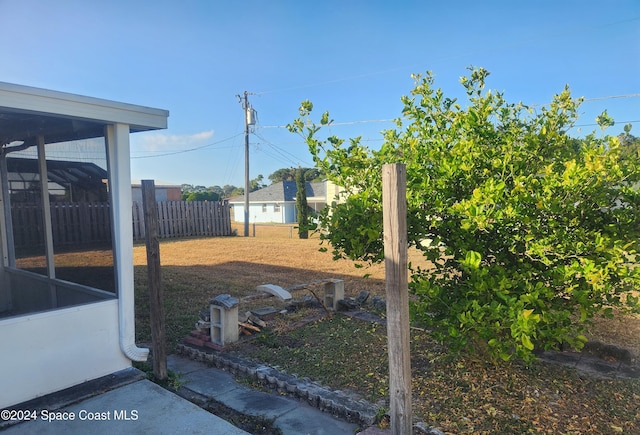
column 456, row 393
column 339, row 352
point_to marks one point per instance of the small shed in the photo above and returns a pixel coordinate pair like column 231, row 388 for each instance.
column 66, row 243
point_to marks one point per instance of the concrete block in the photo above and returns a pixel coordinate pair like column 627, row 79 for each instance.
column 224, row 320
column 333, row 292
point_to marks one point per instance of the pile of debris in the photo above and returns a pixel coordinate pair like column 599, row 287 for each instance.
column 223, row 324
column 249, row 323
column 349, row 304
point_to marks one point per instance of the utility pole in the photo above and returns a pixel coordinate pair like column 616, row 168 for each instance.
column 249, row 119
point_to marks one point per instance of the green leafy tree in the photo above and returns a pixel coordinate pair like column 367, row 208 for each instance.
column 256, row 183
column 203, row 196
column 185, row 190
column 230, row 191
column 217, row 189
column 301, row 204
column 283, row 174
column 629, row 144
column 289, row 174
column 200, row 193
column 531, row 233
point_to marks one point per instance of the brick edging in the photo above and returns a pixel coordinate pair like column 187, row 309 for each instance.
column 336, row 402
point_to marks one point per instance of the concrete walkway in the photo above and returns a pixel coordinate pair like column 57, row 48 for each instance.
column 138, row 407
column 127, row 402
column 290, row 415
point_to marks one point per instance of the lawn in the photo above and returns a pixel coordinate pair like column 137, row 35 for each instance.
column 456, row 393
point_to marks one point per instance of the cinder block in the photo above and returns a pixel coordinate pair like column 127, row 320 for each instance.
column 224, row 320
column 333, row 292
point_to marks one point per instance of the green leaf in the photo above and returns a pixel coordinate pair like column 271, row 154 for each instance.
column 526, row 342
column 472, row 259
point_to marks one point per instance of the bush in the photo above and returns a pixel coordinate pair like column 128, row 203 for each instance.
column 532, row 232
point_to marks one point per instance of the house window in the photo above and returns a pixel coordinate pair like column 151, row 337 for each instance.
column 276, row 208
column 264, row 208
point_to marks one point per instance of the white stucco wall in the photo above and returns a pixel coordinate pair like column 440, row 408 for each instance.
column 50, row 351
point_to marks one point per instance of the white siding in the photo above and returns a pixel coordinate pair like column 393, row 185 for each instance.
column 257, row 214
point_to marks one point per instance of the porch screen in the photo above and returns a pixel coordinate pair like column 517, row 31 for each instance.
column 79, row 204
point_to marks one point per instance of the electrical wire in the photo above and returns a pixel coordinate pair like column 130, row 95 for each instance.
column 366, row 121
column 191, row 149
column 337, row 124
column 288, row 157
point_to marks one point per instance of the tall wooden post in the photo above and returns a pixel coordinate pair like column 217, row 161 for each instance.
column 158, row 342
column 394, row 203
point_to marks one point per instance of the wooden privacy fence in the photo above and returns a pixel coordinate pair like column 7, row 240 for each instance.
column 71, row 224
column 186, row 218
column 89, row 222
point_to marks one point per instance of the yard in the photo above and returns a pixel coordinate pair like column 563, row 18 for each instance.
column 456, row 393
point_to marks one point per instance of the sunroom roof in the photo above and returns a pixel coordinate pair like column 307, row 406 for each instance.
column 27, row 112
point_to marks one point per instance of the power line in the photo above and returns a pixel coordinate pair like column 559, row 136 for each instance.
column 337, row 124
column 611, row 97
column 596, row 124
column 291, row 158
column 588, row 100
column 366, row 121
column 188, row 150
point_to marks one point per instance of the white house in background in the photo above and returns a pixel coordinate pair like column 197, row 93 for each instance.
column 276, row 203
column 65, row 317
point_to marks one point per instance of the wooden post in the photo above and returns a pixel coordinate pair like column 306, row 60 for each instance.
column 394, row 203
column 158, row 342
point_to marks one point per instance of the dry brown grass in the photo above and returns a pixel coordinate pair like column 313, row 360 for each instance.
column 199, row 269
column 456, row 394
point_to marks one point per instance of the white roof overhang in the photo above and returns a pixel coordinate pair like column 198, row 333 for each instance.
column 27, row 112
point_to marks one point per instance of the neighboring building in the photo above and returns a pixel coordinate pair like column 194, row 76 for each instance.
column 164, row 191
column 67, row 180
column 65, row 317
column 276, row 203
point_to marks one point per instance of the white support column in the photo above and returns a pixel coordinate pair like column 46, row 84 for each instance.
column 117, row 136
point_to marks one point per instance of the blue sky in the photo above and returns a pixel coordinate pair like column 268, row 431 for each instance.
column 353, row 58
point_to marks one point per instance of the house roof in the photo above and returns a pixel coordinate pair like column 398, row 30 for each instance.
column 285, row 191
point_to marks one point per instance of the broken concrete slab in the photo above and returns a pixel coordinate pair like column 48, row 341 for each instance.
column 275, row 291
column 266, row 313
